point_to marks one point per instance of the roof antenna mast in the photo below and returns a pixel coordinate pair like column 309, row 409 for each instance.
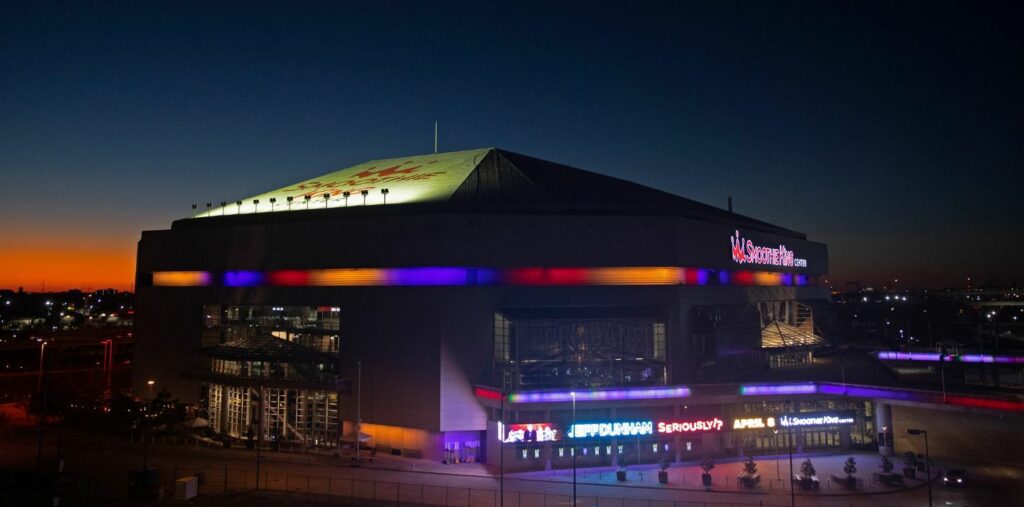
column 435, row 137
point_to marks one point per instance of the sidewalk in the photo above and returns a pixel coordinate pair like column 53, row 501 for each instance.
column 774, row 471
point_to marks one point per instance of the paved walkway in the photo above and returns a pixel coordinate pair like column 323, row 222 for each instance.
column 773, row 471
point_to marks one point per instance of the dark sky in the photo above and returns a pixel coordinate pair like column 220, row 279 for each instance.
column 891, row 131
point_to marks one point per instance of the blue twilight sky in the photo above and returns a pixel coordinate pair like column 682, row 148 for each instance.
column 890, row 130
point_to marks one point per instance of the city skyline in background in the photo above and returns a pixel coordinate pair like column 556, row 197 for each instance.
column 888, row 132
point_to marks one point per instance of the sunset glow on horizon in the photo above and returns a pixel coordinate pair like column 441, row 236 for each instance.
column 58, row 267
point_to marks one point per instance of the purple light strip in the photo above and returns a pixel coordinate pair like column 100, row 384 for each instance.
column 936, row 357
column 643, row 393
column 773, row 389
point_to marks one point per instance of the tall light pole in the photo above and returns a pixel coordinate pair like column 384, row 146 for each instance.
column 39, row 377
column 573, row 448
column 789, row 447
column 927, row 460
column 777, row 472
column 501, row 450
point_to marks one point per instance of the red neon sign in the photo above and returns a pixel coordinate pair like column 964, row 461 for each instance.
column 668, row 427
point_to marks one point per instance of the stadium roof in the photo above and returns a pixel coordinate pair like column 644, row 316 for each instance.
column 480, row 179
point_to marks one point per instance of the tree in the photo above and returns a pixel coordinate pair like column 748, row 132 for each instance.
column 886, row 464
column 910, row 459
column 707, row 465
column 850, row 467
column 750, row 468
column 807, row 469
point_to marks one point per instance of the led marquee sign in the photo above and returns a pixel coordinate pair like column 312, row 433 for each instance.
column 668, row 427
column 815, row 419
column 532, row 432
column 753, row 423
column 746, row 252
column 611, row 429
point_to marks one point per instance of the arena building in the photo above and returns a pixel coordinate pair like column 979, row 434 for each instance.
column 482, row 303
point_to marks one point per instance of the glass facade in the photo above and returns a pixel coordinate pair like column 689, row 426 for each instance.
column 579, row 347
column 275, row 368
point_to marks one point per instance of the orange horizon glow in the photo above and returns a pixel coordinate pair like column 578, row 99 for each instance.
column 56, row 268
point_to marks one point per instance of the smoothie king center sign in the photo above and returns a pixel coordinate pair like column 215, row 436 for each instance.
column 746, row 252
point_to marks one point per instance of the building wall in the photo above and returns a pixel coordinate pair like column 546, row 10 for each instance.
column 398, row 333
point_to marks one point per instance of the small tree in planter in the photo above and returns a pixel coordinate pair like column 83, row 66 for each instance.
column 663, row 472
column 921, row 465
column 621, row 473
column 910, row 460
column 706, row 465
column 850, row 468
column 749, row 477
column 886, row 465
column 807, row 474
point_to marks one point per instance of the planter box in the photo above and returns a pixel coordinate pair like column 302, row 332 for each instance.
column 620, row 475
column 706, row 480
column 909, row 472
column 662, row 476
column 750, row 482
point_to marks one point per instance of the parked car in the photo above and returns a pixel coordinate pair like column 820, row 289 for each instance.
column 955, row 478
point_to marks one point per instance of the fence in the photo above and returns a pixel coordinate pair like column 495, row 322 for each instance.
column 326, row 490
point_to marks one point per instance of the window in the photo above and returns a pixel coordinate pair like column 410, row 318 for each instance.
column 654, row 447
column 501, row 337
column 689, row 446
column 659, row 340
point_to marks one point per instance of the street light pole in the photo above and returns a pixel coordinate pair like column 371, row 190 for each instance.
column 778, row 473
column 927, row 460
column 789, row 447
column 501, row 452
column 574, row 448
column 39, row 376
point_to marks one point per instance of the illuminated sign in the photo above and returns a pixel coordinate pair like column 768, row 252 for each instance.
column 753, row 423
column 746, row 252
column 815, row 419
column 532, row 432
column 611, row 429
column 714, row 424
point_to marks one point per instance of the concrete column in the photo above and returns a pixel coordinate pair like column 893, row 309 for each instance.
column 546, row 449
column 883, row 425
column 677, row 440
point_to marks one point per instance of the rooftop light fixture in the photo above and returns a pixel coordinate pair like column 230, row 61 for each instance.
column 326, row 197
column 256, row 205
column 290, row 199
column 384, row 192
column 364, row 192
column 345, row 195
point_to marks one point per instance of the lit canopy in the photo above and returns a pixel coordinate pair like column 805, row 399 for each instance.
column 421, row 178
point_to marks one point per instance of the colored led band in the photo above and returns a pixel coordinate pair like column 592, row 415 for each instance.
column 468, row 276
